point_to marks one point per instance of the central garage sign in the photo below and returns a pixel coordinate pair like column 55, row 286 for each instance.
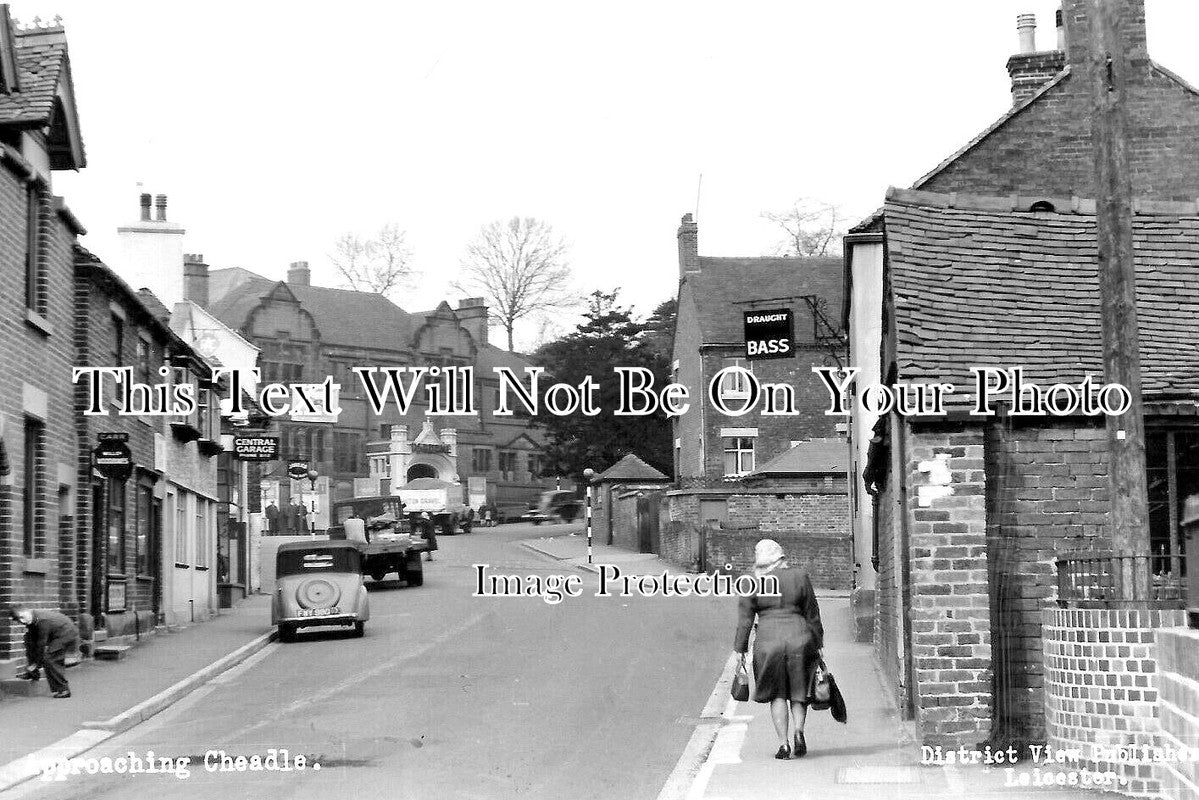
column 769, row 334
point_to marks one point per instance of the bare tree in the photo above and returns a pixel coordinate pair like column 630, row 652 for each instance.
column 813, row 228
column 380, row 265
column 520, row 266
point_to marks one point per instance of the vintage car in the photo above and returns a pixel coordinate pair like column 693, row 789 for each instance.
column 553, row 506
column 319, row 583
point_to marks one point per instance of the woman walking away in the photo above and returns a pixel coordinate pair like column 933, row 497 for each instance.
column 788, row 643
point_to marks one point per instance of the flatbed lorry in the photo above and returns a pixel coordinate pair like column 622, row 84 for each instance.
column 379, row 529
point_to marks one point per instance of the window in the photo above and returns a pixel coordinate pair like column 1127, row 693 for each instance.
column 143, row 542
column 734, row 386
column 143, row 361
column 738, row 456
column 35, row 469
column 1172, row 470
column 116, row 526
column 385, row 430
column 177, row 506
column 347, row 450
column 507, row 461
column 481, row 459
column 116, row 356
column 34, row 294
column 201, row 532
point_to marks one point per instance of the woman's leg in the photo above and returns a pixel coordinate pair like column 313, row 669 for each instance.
column 778, row 713
column 799, row 715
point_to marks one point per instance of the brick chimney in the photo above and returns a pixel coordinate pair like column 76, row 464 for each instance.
column 298, row 274
column 1030, row 69
column 195, row 279
column 688, row 245
column 473, row 314
column 1076, row 21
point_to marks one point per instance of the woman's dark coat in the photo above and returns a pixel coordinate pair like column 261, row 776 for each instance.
column 789, row 637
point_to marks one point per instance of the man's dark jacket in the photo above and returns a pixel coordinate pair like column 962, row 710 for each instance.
column 52, row 633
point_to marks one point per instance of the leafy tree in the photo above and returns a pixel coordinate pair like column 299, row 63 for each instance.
column 659, row 328
column 608, row 337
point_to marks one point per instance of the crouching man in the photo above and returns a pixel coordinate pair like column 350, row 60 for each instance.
column 49, row 636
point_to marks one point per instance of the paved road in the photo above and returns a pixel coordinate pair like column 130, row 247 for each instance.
column 450, row 696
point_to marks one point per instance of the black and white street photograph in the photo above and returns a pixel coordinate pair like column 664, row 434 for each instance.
column 649, row 401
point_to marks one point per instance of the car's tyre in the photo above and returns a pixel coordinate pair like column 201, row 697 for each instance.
column 378, row 575
column 359, row 629
column 536, row 522
column 466, row 527
column 287, row 633
column 415, row 576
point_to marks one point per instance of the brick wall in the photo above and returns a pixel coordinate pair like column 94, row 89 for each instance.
column 36, row 355
column 950, row 620
column 1177, row 651
column 1101, row 687
column 827, row 559
column 1046, row 147
column 1046, row 494
column 811, row 513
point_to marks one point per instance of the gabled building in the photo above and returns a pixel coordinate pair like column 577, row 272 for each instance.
column 39, row 135
column 716, row 455
column 970, row 512
column 308, row 332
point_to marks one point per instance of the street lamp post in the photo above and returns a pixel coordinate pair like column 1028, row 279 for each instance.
column 588, row 474
column 312, row 476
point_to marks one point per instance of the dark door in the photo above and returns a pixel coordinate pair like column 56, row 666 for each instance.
column 647, row 523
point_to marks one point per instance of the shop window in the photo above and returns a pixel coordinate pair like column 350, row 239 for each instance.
column 1172, row 472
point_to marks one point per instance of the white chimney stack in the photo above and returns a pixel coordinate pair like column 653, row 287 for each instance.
column 1026, row 28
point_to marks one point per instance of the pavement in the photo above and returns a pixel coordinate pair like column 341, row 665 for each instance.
column 731, row 752
column 110, row 696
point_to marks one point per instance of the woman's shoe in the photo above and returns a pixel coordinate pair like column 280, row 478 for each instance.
column 783, row 752
column 801, row 745
column 62, row 694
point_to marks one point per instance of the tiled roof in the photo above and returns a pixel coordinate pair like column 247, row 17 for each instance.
column 978, row 284
column 814, row 455
column 41, row 57
column 723, row 288
column 629, row 469
column 344, row 317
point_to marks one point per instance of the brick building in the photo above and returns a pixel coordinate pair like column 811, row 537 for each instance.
column 39, row 134
column 151, row 552
column 971, row 511
column 716, row 456
column 308, row 332
column 1038, row 152
column 625, row 509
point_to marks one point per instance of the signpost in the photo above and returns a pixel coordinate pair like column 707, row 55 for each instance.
column 256, row 448
column 111, row 457
column 769, row 334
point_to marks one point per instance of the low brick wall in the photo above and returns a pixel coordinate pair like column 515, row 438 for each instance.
column 827, row 559
column 1101, row 686
column 1178, row 709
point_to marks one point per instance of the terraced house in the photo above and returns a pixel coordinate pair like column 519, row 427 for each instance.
column 39, row 135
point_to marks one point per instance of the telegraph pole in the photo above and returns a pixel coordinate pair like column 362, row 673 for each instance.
column 1109, row 74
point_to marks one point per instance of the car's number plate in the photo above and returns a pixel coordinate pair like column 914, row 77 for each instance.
column 319, row 612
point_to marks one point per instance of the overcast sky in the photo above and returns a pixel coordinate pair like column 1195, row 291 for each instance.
column 276, row 127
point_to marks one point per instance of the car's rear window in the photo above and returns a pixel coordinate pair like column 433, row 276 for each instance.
column 331, row 560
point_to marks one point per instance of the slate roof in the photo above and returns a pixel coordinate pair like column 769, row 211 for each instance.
column 344, row 317
column 723, row 287
column 41, row 55
column 980, row 284
column 628, row 470
column 812, row 456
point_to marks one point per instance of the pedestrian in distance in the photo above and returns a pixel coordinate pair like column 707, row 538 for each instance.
column 49, row 636
column 272, row 517
column 788, row 643
column 428, row 532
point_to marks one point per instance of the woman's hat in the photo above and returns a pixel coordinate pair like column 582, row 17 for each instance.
column 767, row 552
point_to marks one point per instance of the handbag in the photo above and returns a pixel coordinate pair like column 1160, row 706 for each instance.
column 740, row 687
column 824, row 694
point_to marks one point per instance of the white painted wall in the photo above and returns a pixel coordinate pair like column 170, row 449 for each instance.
column 152, row 258
column 865, row 339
